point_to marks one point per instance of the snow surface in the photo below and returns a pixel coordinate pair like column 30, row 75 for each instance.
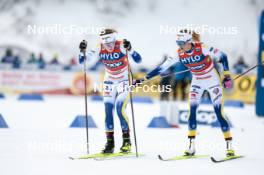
column 39, row 141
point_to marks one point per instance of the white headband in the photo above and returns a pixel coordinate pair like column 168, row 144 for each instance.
column 108, row 38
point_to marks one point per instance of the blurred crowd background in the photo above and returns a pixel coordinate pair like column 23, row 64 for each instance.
column 138, row 21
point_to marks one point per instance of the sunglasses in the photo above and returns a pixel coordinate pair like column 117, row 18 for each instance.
column 180, row 43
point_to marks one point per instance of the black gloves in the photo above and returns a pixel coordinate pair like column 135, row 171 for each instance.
column 127, row 44
column 83, row 45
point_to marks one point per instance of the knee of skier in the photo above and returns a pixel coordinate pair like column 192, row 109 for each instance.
column 218, row 109
column 193, row 107
column 108, row 99
column 221, row 118
column 119, row 108
column 193, row 99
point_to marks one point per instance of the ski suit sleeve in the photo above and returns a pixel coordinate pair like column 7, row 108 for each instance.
column 163, row 67
column 217, row 56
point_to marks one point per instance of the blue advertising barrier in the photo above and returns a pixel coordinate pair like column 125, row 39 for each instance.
column 159, row 122
column 80, row 122
column 204, row 117
column 37, row 97
column 3, row 123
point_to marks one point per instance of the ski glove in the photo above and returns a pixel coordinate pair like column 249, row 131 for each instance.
column 127, row 44
column 227, row 82
column 82, row 47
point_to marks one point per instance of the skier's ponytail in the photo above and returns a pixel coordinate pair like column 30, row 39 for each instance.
column 195, row 35
column 106, row 31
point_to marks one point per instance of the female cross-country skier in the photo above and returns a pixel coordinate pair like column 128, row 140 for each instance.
column 201, row 62
column 113, row 54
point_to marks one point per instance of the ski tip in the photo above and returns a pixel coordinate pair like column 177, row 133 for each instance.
column 216, row 161
column 213, row 159
column 160, row 158
column 226, row 159
column 71, row 158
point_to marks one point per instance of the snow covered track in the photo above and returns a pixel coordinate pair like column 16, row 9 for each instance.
column 39, row 141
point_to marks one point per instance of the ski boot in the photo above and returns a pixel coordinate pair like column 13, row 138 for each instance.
column 110, row 144
column 191, row 150
column 229, row 149
column 126, row 146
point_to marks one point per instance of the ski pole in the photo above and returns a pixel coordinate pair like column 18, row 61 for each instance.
column 242, row 74
column 85, row 100
column 167, row 75
column 130, row 79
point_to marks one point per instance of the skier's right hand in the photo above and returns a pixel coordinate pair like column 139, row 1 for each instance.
column 82, row 47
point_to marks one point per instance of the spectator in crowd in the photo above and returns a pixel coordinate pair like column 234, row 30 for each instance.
column 8, row 58
column 17, row 62
column 73, row 61
column 71, row 64
column 55, row 60
column 143, row 69
column 41, row 62
column 240, row 66
column 180, row 81
column 32, row 59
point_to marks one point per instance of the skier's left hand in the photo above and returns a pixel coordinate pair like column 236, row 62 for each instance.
column 227, row 82
column 127, row 44
column 83, row 45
